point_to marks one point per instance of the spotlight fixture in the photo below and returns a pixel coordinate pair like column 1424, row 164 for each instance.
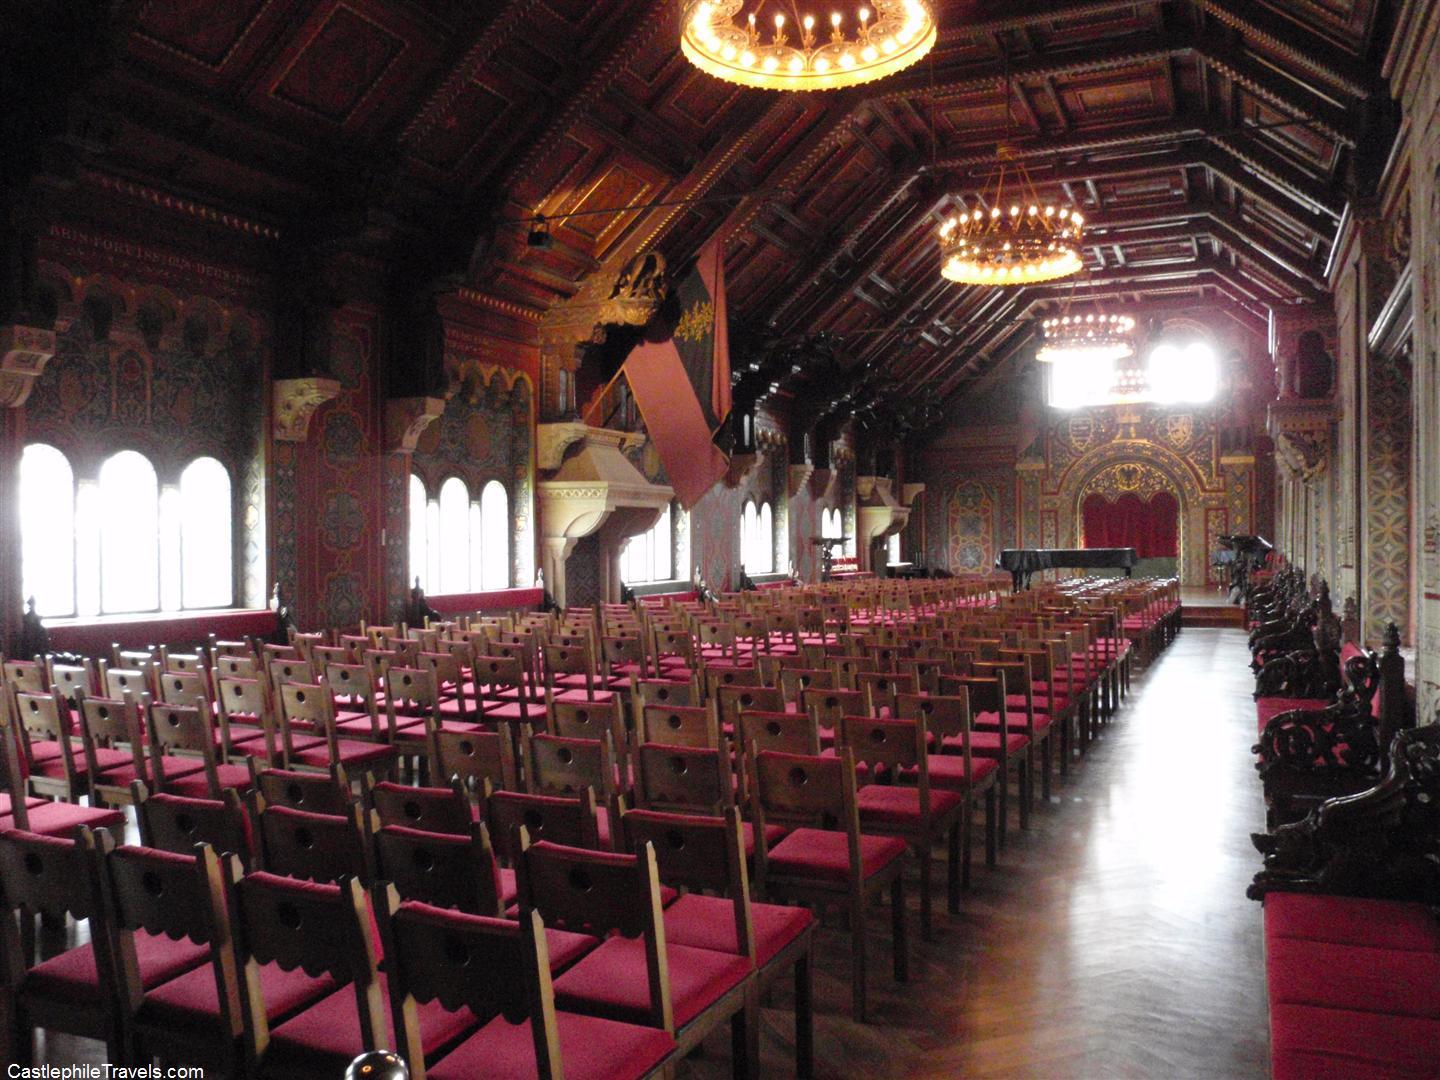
column 887, row 39
column 1092, row 336
column 540, row 234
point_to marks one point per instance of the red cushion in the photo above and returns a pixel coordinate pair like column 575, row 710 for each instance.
column 190, row 1001
column 174, row 767
column 326, row 1036
column 1267, row 708
column 1309, row 1043
column 708, row 922
column 1016, row 721
column 54, row 768
column 987, row 743
column 948, row 770
column 509, row 890
column 196, row 786
column 30, row 801
column 515, row 711
column 773, row 835
column 613, row 982
column 61, row 818
column 898, row 806
column 566, row 947
column 599, row 697
column 590, row 1049
column 1397, row 982
column 350, row 753
column 825, row 854
column 71, row 976
column 1343, row 920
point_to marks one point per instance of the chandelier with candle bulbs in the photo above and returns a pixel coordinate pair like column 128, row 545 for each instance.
column 1010, row 237
column 1089, row 336
column 776, row 46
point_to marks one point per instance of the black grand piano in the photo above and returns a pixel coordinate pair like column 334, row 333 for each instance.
column 1022, row 562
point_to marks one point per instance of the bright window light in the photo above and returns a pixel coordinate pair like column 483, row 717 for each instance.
column 454, row 536
column 494, row 536
column 1081, row 380
column 47, row 529
column 207, row 555
column 419, row 564
column 1185, row 373
column 647, row 557
column 129, row 514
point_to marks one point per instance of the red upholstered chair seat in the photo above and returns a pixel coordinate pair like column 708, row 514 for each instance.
column 515, row 711
column 358, row 725
column 893, row 805
column 948, row 771
column 987, row 743
column 509, row 889
column 175, row 767
column 54, row 768
column 43, row 750
column 513, row 693
column 825, row 855
column 989, row 721
column 72, row 976
column 61, row 818
column 349, row 751
column 613, row 981
column 708, row 922
column 31, row 801
column 600, row 697
column 190, row 1000
column 195, row 785
column 1378, row 924
column 326, row 1036
column 590, row 1049
column 773, row 835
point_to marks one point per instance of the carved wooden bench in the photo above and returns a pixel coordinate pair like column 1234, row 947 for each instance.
column 1352, row 942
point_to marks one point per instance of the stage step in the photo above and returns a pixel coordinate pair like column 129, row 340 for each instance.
column 1212, row 615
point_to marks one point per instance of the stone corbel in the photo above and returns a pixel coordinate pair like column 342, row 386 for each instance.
column 296, row 401
column 909, row 493
column 553, row 440
column 1303, row 432
column 798, row 477
column 822, row 483
column 864, row 486
column 24, row 352
column 407, row 418
column 741, row 466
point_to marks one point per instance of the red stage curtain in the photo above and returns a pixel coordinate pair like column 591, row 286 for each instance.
column 1150, row 527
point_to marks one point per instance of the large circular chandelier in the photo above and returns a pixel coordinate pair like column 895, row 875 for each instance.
column 1092, row 336
column 878, row 39
column 1011, row 236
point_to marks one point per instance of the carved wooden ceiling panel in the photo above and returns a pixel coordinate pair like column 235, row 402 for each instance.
column 1213, row 144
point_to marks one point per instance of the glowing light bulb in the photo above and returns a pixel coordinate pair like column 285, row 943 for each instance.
column 869, row 54
column 770, row 63
column 835, row 19
column 846, row 60
column 796, row 65
column 809, row 22
column 728, row 52
column 747, row 58
column 822, row 65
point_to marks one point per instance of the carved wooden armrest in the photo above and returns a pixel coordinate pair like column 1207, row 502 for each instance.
column 1339, row 737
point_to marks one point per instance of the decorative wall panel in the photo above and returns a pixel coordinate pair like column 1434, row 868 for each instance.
column 1387, row 498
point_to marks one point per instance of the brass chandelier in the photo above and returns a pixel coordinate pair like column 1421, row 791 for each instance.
column 879, row 39
column 1010, row 237
column 1091, row 336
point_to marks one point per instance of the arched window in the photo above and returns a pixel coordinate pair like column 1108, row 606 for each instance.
column 129, row 518
column 494, row 536
column 892, row 548
column 647, row 557
column 47, row 529
column 419, row 568
column 207, row 547
column 765, row 542
column 831, row 527
column 454, row 536
column 749, row 526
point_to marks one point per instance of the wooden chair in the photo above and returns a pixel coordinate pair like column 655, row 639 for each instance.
column 181, row 897
column 825, row 859
column 323, row 848
column 559, row 766
column 74, row 991
column 315, row 793
column 482, row 761
column 880, row 688
column 247, row 720
column 999, row 739
column 636, row 976
column 947, row 723
column 52, row 758
column 915, row 813
column 186, row 734
column 117, row 725
column 795, row 681
column 499, row 971
column 446, row 869
column 678, row 725
column 708, row 857
column 19, row 809
column 354, row 701
column 732, row 700
column 177, row 823
column 310, row 705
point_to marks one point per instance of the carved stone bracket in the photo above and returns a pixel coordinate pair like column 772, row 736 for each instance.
column 1303, row 432
column 910, row 492
column 798, row 477
column 822, row 483
column 740, row 467
column 553, row 440
column 24, row 352
column 878, row 514
column 296, row 401
column 407, row 418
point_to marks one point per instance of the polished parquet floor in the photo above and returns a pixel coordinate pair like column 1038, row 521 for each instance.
column 1114, row 939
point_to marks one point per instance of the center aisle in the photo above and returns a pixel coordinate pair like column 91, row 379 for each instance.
column 1114, row 939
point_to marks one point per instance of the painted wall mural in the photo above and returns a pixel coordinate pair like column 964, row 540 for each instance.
column 970, row 521
column 1387, row 498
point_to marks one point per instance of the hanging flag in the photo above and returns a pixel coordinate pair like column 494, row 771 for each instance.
column 682, row 384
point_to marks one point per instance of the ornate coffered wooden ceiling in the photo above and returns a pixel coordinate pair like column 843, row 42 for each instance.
column 1211, row 143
